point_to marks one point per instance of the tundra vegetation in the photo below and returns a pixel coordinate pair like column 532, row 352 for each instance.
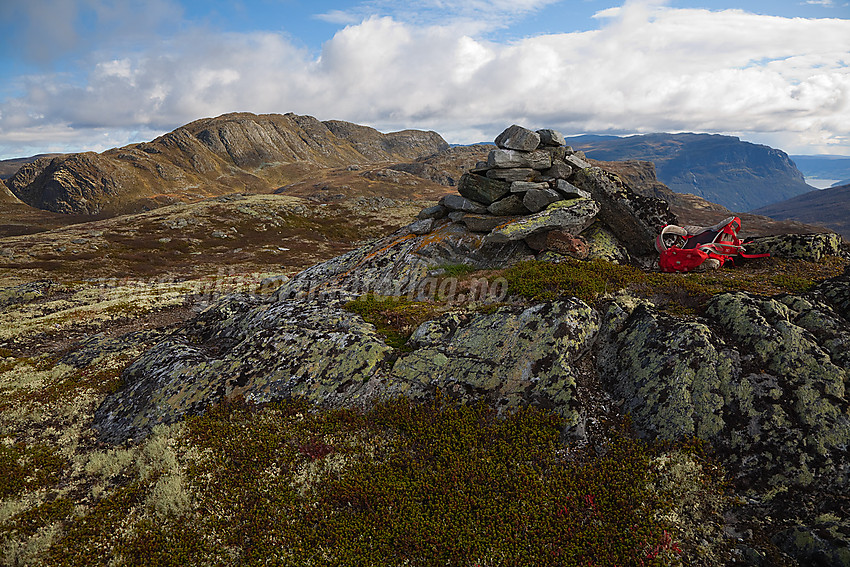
column 287, row 484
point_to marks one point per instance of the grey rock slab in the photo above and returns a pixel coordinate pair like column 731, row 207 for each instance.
column 576, row 162
column 504, row 159
column 518, row 138
column 513, row 174
column 435, row 212
column 482, row 189
column 459, row 203
column 523, row 186
column 423, row 226
column 570, row 215
column 536, row 200
column 509, row 206
column 482, row 223
column 570, row 191
column 634, row 219
column 559, row 170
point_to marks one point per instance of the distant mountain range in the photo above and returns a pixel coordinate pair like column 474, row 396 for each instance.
column 826, row 207
column 741, row 176
column 213, row 156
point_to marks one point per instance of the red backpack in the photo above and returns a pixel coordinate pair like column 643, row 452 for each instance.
column 700, row 248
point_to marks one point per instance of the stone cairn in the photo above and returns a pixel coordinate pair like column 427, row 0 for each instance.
column 522, row 191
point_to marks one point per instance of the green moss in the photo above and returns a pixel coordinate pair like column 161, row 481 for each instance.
column 583, row 279
column 457, row 270
column 678, row 293
column 394, row 317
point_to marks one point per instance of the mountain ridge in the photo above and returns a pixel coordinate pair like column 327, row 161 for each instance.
column 209, row 157
column 827, row 207
column 739, row 175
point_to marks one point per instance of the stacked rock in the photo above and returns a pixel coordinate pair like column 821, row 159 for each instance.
column 526, row 173
column 535, row 190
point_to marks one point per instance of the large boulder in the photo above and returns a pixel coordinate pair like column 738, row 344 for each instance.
column 511, row 357
column 243, row 346
column 634, row 219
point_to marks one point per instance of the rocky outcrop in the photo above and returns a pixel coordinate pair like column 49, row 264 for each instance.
column 213, row 156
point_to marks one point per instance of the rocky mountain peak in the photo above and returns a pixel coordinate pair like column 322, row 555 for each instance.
column 208, row 157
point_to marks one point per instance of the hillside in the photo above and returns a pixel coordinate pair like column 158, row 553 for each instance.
column 722, row 169
column 827, row 207
column 823, row 166
column 209, row 157
column 504, row 380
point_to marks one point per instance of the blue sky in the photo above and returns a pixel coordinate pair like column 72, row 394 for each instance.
column 93, row 74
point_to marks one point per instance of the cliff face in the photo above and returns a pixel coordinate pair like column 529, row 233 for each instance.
column 722, row 169
column 231, row 153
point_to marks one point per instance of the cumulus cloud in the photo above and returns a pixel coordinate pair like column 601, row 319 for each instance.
column 647, row 68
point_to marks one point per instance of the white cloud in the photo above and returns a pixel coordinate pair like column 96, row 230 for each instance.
column 648, row 68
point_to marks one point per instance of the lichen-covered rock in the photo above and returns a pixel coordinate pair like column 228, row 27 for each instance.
column 796, row 412
column 400, row 263
column 244, row 346
column 763, row 379
column 806, row 545
column 811, row 247
column 669, row 373
column 634, row 219
column 514, row 356
column 24, row 293
column 602, row 244
column 571, row 215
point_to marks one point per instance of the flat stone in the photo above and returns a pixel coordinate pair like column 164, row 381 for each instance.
column 504, row 159
column 523, row 186
column 571, row 215
column 538, row 199
column 455, row 216
column 458, row 203
column 509, row 206
column 435, row 212
column 513, row 174
column 577, row 162
column 423, row 226
column 482, row 189
column 570, row 191
column 482, row 223
column 551, row 138
column 518, row 138
column 559, row 170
